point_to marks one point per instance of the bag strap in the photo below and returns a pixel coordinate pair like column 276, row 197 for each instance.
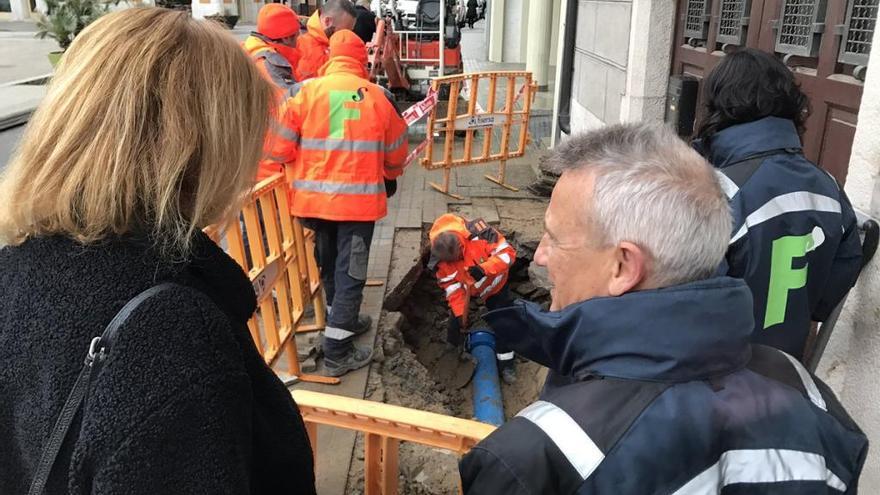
column 741, row 171
column 99, row 349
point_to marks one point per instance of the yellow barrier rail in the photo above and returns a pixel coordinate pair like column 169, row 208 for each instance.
column 501, row 114
column 384, row 426
column 279, row 258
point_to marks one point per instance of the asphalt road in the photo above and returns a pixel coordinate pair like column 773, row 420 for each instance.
column 8, row 140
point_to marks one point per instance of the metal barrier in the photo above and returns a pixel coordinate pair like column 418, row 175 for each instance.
column 515, row 86
column 384, row 426
column 278, row 256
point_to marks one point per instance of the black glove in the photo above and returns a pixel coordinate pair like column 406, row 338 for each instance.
column 453, row 330
column 390, row 187
column 476, row 272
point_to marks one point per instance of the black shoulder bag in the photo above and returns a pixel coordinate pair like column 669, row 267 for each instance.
column 98, row 351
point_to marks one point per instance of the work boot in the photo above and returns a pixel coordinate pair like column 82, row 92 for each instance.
column 355, row 358
column 364, row 322
column 508, row 371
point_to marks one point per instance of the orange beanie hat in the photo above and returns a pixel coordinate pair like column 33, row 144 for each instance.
column 345, row 43
column 277, row 21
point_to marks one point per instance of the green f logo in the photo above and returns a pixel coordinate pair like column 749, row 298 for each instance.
column 339, row 112
column 783, row 277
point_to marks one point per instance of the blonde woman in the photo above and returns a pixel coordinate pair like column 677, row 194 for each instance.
column 151, row 130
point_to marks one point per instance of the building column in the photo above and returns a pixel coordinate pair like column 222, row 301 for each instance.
column 650, row 59
column 538, row 52
column 20, row 10
column 496, row 31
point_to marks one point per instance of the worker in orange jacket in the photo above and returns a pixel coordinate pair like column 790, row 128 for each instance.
column 314, row 45
column 343, row 144
column 273, row 45
column 471, row 260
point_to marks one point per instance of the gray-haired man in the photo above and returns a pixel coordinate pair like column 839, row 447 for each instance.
column 654, row 387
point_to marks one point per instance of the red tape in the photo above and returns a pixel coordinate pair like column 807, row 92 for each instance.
column 420, row 109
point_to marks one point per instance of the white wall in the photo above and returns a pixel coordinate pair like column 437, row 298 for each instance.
column 851, row 363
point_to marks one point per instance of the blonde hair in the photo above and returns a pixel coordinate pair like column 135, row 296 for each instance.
column 153, row 124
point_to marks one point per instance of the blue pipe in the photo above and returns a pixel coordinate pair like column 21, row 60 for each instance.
column 488, row 406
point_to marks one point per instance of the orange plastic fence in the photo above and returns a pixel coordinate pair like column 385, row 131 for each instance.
column 384, row 426
column 487, row 123
column 278, row 256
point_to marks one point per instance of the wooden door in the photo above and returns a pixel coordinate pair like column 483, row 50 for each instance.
column 825, row 42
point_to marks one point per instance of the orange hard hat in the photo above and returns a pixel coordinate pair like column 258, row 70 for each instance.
column 277, row 21
column 344, row 43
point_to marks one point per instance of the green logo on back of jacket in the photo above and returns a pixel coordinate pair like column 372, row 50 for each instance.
column 339, row 112
column 784, row 278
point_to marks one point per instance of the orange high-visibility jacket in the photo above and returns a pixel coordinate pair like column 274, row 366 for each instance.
column 275, row 67
column 339, row 137
column 314, row 49
column 481, row 245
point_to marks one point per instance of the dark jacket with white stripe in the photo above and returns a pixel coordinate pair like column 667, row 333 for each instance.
column 666, row 396
column 795, row 239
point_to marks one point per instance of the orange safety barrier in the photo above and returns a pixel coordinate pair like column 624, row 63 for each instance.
column 384, row 426
column 280, row 262
column 495, row 120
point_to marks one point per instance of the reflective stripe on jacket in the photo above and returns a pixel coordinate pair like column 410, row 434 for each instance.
column 340, row 137
column 481, row 245
column 275, row 67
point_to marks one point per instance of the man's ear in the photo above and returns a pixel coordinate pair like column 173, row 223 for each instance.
column 630, row 269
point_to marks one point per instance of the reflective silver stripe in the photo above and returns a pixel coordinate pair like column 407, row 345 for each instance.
column 313, row 144
column 575, row 444
column 480, row 282
column 727, row 185
column 787, row 203
column 501, row 247
column 273, row 158
column 338, row 188
column 337, row 333
column 452, row 288
column 504, row 257
column 449, row 278
column 809, row 384
column 286, row 133
column 396, row 144
column 494, row 284
column 507, row 356
column 761, row 466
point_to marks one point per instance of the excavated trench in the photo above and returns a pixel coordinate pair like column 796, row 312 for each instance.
column 415, row 367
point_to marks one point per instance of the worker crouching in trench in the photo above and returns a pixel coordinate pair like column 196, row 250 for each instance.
column 472, row 259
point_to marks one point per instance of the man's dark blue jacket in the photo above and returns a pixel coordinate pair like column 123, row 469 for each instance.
column 668, row 397
column 795, row 239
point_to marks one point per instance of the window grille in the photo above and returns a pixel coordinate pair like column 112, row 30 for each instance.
column 800, row 27
column 696, row 23
column 732, row 19
column 861, row 17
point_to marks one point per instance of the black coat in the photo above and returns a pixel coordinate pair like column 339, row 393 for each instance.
column 184, row 404
column 365, row 24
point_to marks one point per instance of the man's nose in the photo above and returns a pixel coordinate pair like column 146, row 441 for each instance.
column 541, row 253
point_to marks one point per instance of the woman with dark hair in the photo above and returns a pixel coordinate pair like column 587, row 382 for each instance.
column 795, row 239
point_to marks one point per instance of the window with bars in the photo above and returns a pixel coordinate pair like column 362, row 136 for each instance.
column 732, row 19
column 696, row 22
column 800, row 27
column 861, row 17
